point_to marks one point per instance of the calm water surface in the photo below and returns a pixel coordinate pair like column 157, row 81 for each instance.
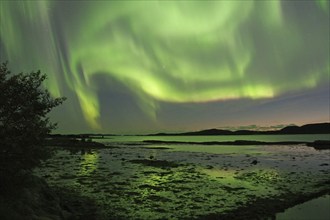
column 269, row 138
column 316, row 209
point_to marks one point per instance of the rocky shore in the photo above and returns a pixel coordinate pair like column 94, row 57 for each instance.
column 36, row 200
column 150, row 181
column 29, row 197
column 87, row 180
column 80, row 143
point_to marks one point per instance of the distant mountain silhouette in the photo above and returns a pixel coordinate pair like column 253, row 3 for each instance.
column 318, row 128
column 209, row 132
column 321, row 128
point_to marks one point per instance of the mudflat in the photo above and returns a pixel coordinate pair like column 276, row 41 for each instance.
column 171, row 181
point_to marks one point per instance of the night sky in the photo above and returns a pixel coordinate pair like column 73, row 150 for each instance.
column 167, row 66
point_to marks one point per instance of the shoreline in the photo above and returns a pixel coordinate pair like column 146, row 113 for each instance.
column 318, row 144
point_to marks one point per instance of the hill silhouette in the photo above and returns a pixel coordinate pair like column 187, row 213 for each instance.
column 320, row 128
column 317, row 128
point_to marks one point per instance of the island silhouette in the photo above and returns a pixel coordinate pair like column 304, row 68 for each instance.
column 316, row 128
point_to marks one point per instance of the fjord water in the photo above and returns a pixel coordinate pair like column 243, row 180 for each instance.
column 266, row 138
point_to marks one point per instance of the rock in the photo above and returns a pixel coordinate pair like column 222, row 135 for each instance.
column 209, row 167
column 320, row 144
column 254, row 162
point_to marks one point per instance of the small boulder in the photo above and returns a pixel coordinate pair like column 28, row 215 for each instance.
column 254, row 162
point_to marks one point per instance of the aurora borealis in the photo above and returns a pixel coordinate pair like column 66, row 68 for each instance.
column 147, row 66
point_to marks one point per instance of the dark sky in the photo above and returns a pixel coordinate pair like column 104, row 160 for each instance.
column 154, row 66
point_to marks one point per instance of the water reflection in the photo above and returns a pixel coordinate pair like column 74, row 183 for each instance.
column 308, row 209
column 260, row 181
column 88, row 163
column 217, row 149
column 269, row 138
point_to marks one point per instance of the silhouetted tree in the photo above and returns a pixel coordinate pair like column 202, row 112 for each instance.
column 24, row 124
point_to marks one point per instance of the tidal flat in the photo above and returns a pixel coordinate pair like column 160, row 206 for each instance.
column 168, row 181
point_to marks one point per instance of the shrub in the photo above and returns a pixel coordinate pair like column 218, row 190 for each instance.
column 24, row 124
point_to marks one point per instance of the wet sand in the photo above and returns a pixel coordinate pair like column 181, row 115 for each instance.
column 184, row 182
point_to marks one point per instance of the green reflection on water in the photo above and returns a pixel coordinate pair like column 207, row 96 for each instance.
column 218, row 149
column 259, row 181
column 270, row 138
column 88, row 163
column 316, row 209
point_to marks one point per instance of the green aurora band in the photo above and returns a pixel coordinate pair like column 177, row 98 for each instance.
column 169, row 51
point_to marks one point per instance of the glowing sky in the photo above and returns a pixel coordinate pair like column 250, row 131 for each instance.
column 145, row 66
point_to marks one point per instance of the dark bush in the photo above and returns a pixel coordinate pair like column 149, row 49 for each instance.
column 24, row 124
